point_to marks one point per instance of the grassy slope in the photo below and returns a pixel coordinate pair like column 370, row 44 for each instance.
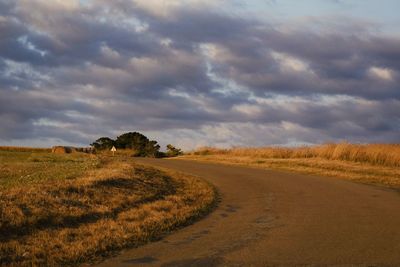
column 372, row 164
column 65, row 217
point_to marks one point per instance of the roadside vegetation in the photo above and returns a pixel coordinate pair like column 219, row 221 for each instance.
column 74, row 208
column 137, row 144
column 368, row 163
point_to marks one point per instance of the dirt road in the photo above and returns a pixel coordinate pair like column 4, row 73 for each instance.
column 269, row 218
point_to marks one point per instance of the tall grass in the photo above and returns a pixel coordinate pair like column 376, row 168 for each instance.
column 376, row 154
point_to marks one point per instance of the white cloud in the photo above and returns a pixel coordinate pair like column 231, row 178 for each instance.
column 290, row 63
column 247, row 109
column 50, row 122
column 381, row 73
column 53, row 4
column 109, row 52
column 164, row 8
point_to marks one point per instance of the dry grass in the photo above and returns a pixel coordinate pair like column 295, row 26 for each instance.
column 377, row 154
column 82, row 219
column 29, row 167
column 24, row 149
column 118, row 153
column 371, row 163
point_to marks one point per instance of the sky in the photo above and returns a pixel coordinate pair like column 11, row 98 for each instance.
column 200, row 72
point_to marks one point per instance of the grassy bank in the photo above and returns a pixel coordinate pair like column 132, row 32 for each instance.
column 113, row 203
column 372, row 163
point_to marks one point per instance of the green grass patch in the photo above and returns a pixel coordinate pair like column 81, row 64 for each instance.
column 24, row 168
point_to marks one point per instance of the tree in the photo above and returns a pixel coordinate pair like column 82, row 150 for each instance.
column 152, row 149
column 173, row 151
column 141, row 144
column 103, row 143
column 132, row 140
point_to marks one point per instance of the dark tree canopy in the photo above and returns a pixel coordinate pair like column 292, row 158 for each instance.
column 132, row 140
column 103, row 143
column 173, row 151
column 140, row 144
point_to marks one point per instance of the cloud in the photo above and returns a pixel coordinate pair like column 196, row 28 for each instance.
column 381, row 73
column 191, row 74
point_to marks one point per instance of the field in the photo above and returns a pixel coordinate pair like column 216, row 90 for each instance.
column 74, row 208
column 372, row 163
column 29, row 167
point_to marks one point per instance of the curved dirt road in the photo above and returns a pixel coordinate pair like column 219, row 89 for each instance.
column 269, row 218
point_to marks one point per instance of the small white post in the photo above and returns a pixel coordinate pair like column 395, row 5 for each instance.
column 113, row 149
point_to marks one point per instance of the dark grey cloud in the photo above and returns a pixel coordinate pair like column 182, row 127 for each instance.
column 191, row 75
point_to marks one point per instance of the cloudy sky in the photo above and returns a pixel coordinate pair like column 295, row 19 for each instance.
column 199, row 72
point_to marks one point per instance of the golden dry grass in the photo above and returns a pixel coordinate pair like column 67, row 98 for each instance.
column 24, row 149
column 82, row 219
column 377, row 154
column 369, row 163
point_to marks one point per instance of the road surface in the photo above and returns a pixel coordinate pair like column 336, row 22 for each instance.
column 271, row 218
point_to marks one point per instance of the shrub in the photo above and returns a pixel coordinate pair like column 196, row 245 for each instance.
column 173, row 151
